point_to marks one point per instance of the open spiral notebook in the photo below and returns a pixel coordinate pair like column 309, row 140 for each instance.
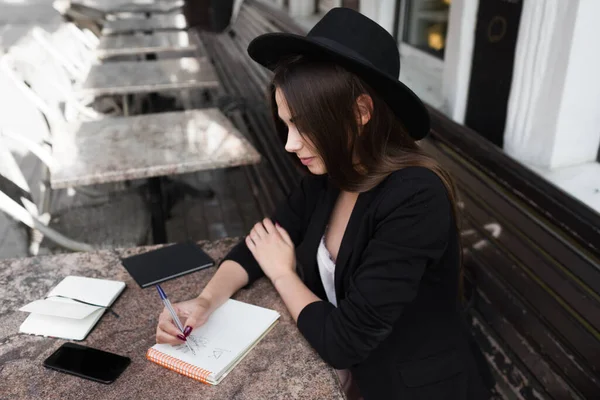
column 220, row 344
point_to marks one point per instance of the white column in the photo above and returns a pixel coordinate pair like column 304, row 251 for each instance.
column 301, row 8
column 380, row 11
column 553, row 115
column 458, row 56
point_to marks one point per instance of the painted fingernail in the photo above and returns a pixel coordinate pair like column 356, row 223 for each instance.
column 187, row 331
column 181, row 337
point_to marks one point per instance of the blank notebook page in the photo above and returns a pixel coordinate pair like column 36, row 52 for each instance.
column 228, row 334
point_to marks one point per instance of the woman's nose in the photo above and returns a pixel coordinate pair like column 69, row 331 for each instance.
column 293, row 142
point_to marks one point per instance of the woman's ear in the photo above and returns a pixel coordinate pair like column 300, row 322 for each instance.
column 364, row 108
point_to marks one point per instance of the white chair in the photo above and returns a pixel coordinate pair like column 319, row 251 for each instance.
column 42, row 87
column 72, row 55
column 22, row 208
column 85, row 36
column 71, row 49
column 33, row 64
column 17, row 202
column 39, row 90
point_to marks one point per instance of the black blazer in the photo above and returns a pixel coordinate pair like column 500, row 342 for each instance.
column 398, row 325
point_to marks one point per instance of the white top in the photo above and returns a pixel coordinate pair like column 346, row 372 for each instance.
column 327, row 271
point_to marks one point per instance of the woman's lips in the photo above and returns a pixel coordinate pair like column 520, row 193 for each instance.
column 306, row 160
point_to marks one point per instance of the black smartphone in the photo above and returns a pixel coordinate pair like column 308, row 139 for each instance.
column 86, row 362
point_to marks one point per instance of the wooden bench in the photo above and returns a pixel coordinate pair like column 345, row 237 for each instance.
column 532, row 255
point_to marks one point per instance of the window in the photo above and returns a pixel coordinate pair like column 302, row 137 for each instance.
column 424, row 24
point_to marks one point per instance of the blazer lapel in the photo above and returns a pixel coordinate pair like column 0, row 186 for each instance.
column 348, row 240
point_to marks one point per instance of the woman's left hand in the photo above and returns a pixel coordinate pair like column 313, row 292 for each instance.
column 273, row 249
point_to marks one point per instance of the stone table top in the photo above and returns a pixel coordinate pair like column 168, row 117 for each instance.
column 281, row 366
column 154, row 23
column 128, row 77
column 155, row 42
column 143, row 146
column 132, row 6
column 143, row 6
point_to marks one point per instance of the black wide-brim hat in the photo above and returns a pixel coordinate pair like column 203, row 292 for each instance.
column 360, row 45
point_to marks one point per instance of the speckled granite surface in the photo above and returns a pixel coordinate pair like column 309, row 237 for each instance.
column 141, row 44
column 115, row 6
column 148, row 145
column 153, row 7
column 281, row 366
column 155, row 23
column 129, row 77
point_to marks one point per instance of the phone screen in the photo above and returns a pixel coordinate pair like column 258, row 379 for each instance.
column 88, row 363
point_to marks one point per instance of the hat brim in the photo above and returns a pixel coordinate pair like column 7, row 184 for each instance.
column 270, row 48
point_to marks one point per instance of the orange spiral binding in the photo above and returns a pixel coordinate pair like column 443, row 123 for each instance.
column 178, row 366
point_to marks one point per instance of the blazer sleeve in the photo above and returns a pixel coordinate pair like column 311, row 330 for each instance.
column 292, row 214
column 412, row 232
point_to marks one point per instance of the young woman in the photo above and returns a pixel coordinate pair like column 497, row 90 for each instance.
column 365, row 252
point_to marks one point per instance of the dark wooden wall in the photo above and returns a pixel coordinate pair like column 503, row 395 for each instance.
column 532, row 257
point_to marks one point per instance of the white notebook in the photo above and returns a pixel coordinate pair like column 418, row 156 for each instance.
column 230, row 333
column 60, row 315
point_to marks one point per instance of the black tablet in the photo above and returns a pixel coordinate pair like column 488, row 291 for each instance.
column 166, row 263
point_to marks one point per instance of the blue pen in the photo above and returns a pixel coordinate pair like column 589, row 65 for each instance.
column 167, row 303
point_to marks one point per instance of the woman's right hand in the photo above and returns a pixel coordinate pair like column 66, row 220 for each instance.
column 192, row 313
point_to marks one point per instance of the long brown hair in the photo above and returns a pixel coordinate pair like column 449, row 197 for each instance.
column 321, row 97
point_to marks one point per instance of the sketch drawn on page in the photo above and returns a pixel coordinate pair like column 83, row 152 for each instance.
column 200, row 344
column 183, row 348
column 199, row 341
column 217, row 353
